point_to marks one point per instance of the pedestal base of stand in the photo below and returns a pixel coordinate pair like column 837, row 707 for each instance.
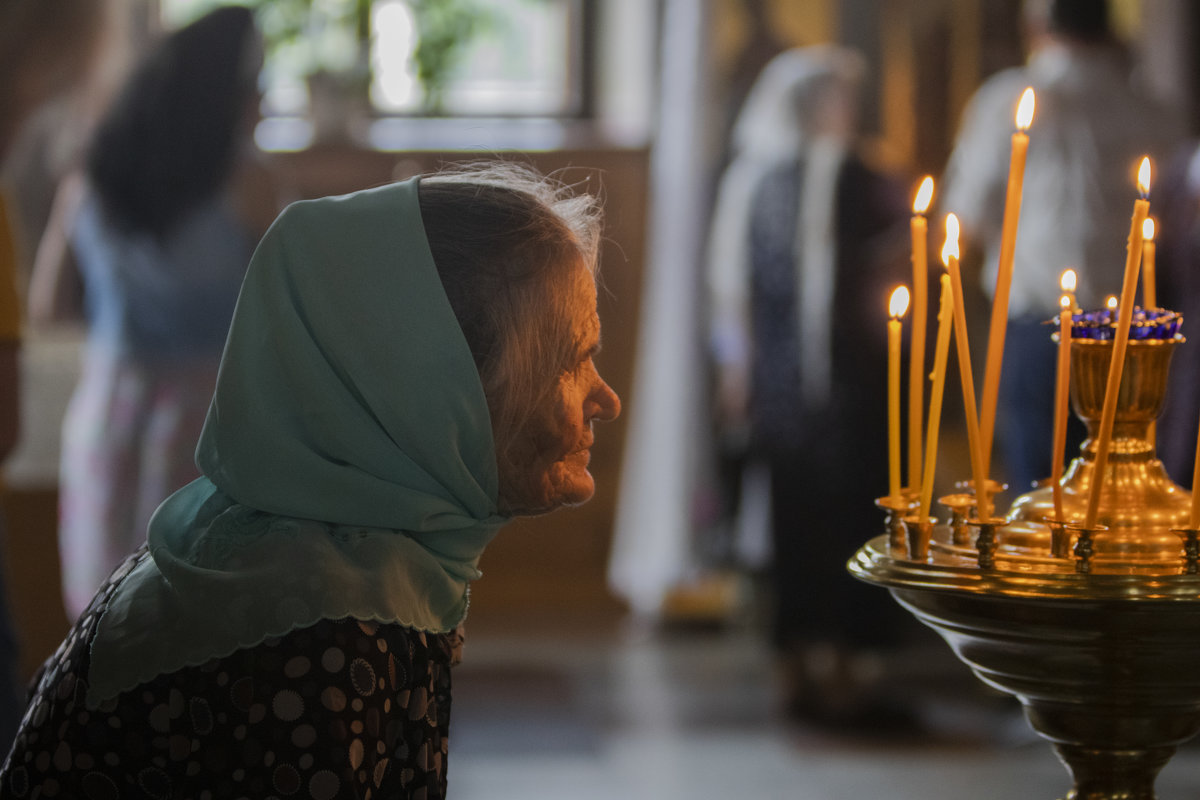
column 1113, row 774
column 1105, row 665
column 1114, row 685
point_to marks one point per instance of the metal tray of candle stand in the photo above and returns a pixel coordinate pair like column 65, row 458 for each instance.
column 1101, row 648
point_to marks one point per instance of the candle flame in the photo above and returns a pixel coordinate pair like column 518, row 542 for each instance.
column 950, row 248
column 1067, row 281
column 898, row 303
column 1111, row 302
column 924, row 196
column 1144, row 176
column 1148, row 230
column 1064, row 302
column 1025, row 110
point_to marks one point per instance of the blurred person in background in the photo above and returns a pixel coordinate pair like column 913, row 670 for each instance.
column 148, row 243
column 46, row 49
column 1175, row 206
column 1092, row 126
column 807, row 243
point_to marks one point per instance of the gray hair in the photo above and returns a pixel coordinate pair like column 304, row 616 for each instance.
column 506, row 241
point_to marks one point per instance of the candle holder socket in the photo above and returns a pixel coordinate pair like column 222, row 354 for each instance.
column 1191, row 549
column 960, row 504
column 917, row 533
column 1060, row 538
column 1085, row 545
column 894, row 509
column 985, row 540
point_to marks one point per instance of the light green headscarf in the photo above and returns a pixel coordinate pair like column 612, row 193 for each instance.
column 348, row 457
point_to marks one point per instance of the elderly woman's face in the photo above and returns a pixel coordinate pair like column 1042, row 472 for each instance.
column 547, row 465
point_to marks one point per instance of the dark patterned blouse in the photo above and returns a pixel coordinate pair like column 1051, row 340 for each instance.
column 341, row 709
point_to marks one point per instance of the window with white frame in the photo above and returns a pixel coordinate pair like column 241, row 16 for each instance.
column 502, row 58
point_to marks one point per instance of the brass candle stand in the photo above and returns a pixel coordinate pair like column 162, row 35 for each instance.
column 1096, row 631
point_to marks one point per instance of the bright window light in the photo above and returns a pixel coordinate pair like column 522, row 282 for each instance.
column 518, row 62
column 394, row 85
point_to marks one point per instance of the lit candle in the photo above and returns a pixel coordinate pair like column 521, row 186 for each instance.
column 1062, row 388
column 1108, row 413
column 916, row 364
column 1062, row 401
column 940, row 353
column 1149, row 290
column 979, row 473
column 896, row 308
column 1149, row 296
column 1008, row 242
column 1067, row 282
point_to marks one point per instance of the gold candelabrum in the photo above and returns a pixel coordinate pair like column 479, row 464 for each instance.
column 1096, row 632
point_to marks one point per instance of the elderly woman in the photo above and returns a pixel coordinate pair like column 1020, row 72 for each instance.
column 408, row 367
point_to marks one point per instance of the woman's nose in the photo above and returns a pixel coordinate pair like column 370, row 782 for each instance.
column 606, row 404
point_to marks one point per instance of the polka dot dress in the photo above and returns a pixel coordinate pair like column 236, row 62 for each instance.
column 338, row 710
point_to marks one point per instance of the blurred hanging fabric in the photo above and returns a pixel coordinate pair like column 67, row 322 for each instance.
column 652, row 545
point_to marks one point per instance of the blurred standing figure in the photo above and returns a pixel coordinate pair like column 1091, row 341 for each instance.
column 807, row 242
column 1176, row 207
column 45, row 50
column 160, row 227
column 1091, row 128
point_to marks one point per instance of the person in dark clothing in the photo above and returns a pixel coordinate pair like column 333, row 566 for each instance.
column 808, row 243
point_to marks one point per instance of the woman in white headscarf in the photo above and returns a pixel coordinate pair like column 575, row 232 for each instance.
column 807, row 242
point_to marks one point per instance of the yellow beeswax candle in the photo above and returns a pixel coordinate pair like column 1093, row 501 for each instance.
column 1008, row 242
column 896, row 308
column 1108, row 412
column 1149, row 295
column 919, row 227
column 938, row 377
column 1067, row 282
column 1149, row 290
column 1062, row 387
column 962, row 346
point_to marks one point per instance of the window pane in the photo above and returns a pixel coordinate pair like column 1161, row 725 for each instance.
column 517, row 62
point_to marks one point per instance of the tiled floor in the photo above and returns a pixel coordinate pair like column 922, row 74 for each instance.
column 693, row 715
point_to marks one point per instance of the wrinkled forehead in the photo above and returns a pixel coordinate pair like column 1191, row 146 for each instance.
column 585, row 316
